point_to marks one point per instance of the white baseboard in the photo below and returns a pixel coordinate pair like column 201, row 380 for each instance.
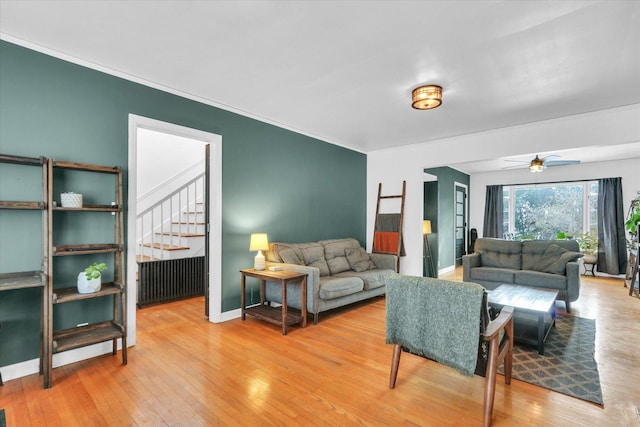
column 30, row 367
column 229, row 315
column 446, row 269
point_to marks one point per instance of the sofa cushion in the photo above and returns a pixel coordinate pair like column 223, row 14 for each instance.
column 334, row 253
column 533, row 250
column 555, row 259
column 359, row 259
column 372, row 278
column 273, row 254
column 314, row 257
column 499, row 253
column 290, row 256
column 336, row 287
column 493, row 274
column 539, row 279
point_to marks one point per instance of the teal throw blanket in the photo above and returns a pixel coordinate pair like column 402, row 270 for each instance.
column 437, row 319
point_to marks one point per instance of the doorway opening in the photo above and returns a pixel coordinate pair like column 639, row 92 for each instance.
column 163, row 160
column 430, row 248
column 460, row 222
column 172, row 182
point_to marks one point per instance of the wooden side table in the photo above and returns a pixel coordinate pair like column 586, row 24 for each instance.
column 278, row 315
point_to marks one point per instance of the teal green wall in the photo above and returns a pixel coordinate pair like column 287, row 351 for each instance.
column 431, row 204
column 446, row 194
column 431, row 213
column 293, row 187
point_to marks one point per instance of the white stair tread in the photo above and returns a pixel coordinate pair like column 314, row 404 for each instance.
column 166, row 247
column 176, row 234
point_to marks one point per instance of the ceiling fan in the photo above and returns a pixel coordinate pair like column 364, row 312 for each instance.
column 538, row 164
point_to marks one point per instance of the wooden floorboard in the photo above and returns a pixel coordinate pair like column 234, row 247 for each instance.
column 185, row 371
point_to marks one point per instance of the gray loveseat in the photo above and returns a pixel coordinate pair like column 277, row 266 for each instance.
column 340, row 272
column 547, row 264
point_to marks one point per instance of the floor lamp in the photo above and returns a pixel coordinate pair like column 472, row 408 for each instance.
column 426, row 230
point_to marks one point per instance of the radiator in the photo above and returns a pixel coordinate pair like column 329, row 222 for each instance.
column 170, row 280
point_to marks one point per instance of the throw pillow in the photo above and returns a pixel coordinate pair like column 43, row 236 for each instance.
column 273, row 254
column 359, row 259
column 314, row 257
column 555, row 259
column 334, row 253
column 289, row 256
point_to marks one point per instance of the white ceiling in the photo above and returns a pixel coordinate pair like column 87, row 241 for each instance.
column 343, row 71
column 593, row 154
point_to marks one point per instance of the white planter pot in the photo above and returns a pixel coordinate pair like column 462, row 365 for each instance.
column 590, row 258
column 71, row 200
column 88, row 286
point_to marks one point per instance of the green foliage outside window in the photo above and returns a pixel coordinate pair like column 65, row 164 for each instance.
column 540, row 212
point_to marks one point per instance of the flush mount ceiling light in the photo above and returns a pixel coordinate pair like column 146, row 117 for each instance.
column 537, row 165
column 426, row 97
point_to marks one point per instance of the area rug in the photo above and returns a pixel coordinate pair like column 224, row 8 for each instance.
column 568, row 365
column 3, row 420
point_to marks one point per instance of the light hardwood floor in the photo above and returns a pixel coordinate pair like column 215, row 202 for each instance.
column 185, row 371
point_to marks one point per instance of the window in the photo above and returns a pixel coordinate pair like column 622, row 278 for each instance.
column 542, row 211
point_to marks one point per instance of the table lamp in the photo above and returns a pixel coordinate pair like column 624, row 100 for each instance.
column 426, row 227
column 259, row 243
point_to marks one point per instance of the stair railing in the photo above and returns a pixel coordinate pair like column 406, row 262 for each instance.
column 175, row 208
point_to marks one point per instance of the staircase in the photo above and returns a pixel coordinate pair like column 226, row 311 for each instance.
column 173, row 228
column 171, row 247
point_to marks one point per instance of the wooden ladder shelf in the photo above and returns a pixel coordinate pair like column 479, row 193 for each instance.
column 387, row 233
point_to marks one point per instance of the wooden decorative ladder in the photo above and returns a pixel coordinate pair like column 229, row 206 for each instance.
column 387, row 233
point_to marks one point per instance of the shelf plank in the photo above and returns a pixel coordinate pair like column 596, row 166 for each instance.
column 274, row 314
column 11, row 204
column 61, row 295
column 20, row 160
column 82, row 336
column 97, row 248
column 86, row 167
column 91, row 208
column 22, row 280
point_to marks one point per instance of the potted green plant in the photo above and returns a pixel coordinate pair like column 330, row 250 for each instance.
column 90, row 280
column 631, row 225
column 588, row 246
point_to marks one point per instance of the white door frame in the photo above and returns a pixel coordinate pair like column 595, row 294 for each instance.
column 215, row 214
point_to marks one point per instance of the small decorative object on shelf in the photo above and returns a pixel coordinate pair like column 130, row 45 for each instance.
column 71, row 200
column 90, row 280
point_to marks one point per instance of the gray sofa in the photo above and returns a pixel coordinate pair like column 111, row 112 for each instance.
column 547, row 264
column 340, row 272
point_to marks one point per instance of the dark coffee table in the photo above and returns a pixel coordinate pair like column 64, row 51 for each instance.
column 527, row 301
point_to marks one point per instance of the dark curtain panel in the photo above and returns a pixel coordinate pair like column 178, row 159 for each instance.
column 612, row 248
column 493, row 212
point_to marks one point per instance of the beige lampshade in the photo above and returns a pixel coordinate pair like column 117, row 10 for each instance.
column 426, row 227
column 426, row 97
column 259, row 242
